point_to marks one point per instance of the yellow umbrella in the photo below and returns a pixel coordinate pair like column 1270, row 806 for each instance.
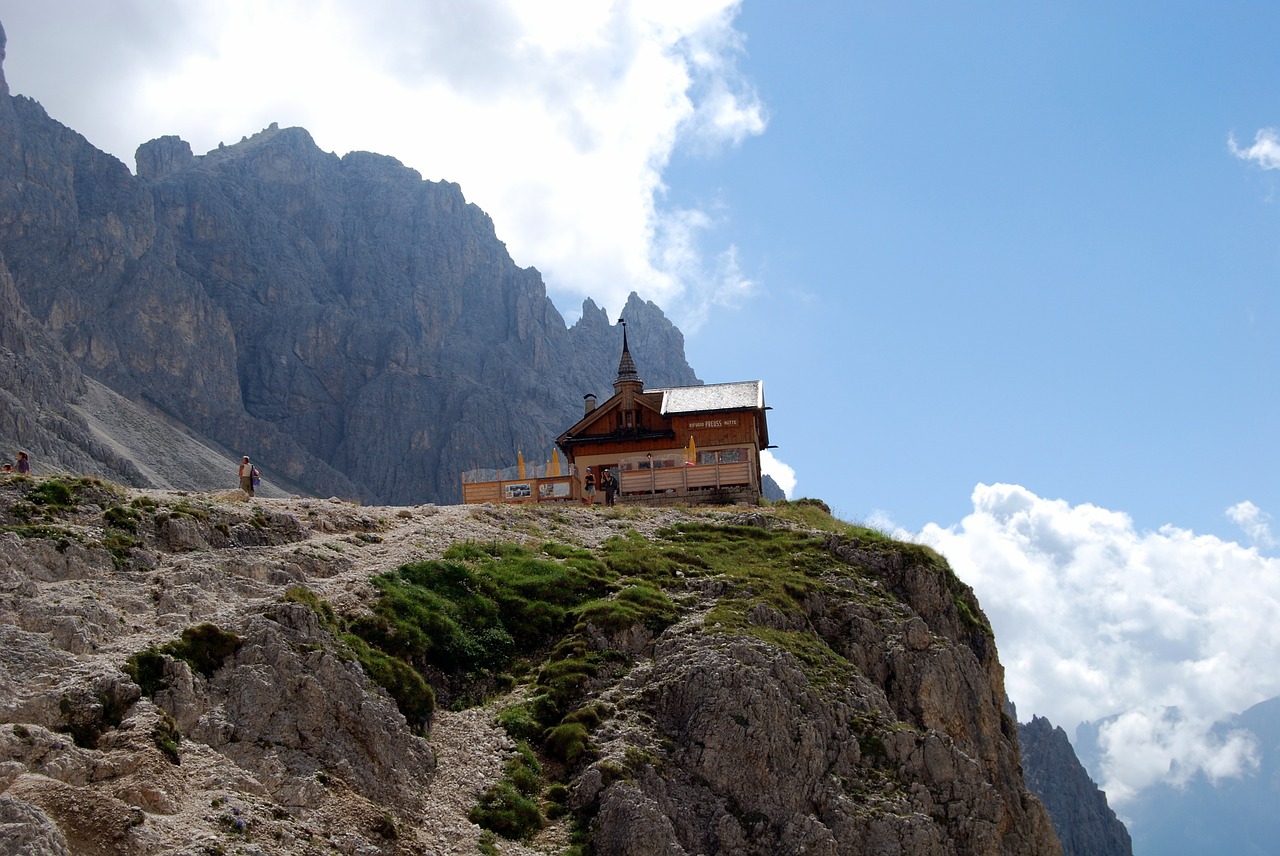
column 693, row 451
column 555, row 463
column 520, row 462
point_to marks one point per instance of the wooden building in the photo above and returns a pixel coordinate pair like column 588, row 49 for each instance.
column 675, row 444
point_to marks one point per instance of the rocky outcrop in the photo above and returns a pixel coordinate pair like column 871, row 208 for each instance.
column 357, row 330
column 1085, row 824
column 896, row 744
column 179, row 674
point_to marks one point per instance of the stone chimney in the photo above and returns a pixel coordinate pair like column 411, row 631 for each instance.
column 588, row 403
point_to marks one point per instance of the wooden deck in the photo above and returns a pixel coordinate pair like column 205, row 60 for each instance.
column 684, row 480
column 688, row 483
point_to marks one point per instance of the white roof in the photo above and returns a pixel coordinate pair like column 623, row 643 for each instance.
column 747, row 394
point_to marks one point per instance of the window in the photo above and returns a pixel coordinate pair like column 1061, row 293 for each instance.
column 722, row 456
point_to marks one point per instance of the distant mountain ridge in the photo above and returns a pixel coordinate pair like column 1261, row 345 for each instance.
column 1234, row 814
column 359, row 331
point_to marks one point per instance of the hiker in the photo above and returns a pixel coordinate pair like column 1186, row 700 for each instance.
column 610, row 486
column 248, row 475
column 8, row 468
column 589, row 488
column 24, row 465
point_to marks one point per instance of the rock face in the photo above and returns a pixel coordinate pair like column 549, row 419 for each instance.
column 1085, row 824
column 358, row 331
column 177, row 678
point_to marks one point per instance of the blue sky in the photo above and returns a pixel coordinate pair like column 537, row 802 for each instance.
column 1008, row 270
column 1009, row 242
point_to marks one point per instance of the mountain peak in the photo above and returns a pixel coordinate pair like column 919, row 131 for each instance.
column 4, row 85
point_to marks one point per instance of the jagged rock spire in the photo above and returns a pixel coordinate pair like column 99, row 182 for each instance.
column 626, row 366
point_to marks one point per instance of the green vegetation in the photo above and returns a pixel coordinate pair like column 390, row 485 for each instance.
column 322, row 608
column 472, row 612
column 119, row 545
column 413, row 696
column 146, row 668
column 509, row 808
column 166, row 737
column 184, row 508
column 54, row 495
column 518, row 721
column 204, row 647
column 60, row 537
column 62, row 495
column 488, row 610
column 635, row 604
column 122, row 518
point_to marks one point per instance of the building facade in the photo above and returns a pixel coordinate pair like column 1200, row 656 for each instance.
column 675, row 444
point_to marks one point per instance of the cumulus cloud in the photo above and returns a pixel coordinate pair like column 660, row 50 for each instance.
column 1265, row 151
column 556, row 118
column 1161, row 633
column 1255, row 522
column 783, row 474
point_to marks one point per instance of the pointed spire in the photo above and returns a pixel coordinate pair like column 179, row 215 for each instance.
column 626, row 366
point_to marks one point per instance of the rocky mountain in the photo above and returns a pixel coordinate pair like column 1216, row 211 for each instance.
column 357, row 330
column 1085, row 824
column 193, row 673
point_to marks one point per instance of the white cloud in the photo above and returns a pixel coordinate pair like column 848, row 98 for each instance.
column 557, row 118
column 1265, row 151
column 1147, row 745
column 783, row 474
column 1255, row 522
column 1096, row 619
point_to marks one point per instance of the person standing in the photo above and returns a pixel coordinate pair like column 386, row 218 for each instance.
column 246, row 475
column 589, row 488
column 610, row 487
column 24, row 465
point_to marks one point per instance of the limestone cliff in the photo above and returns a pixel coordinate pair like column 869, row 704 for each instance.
column 359, row 331
column 1085, row 824
column 193, row 673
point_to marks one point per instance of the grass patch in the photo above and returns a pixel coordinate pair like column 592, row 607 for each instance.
column 510, row 807
column 118, row 545
column 322, row 608
column 167, row 737
column 567, row 741
column 183, row 508
column 120, row 517
column 413, row 696
column 478, row 608
column 636, row 604
column 61, row 538
column 54, row 495
column 518, row 721
column 204, row 647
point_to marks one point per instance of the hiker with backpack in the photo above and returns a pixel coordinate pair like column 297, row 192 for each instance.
column 249, row 477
